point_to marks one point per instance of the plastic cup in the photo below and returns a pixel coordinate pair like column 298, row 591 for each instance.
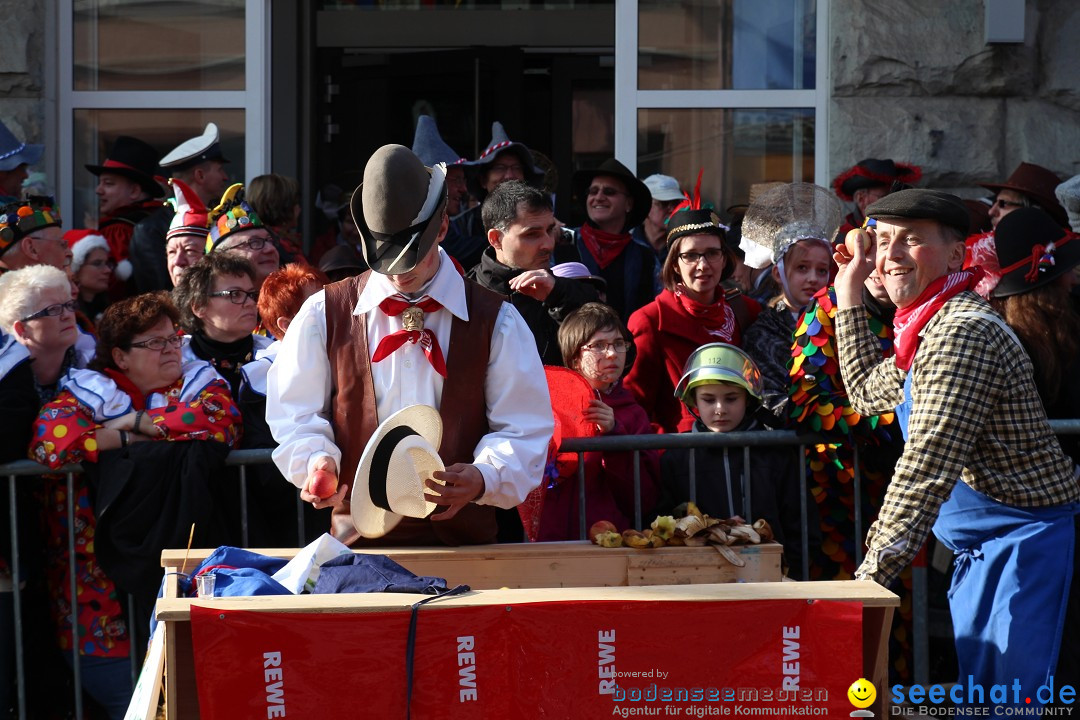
column 205, row 583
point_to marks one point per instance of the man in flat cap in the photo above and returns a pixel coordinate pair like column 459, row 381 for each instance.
column 981, row 465
column 411, row 331
column 198, row 163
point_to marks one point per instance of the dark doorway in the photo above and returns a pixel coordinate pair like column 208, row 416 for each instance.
column 560, row 104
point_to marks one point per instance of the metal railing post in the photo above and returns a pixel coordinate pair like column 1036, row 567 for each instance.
column 16, row 599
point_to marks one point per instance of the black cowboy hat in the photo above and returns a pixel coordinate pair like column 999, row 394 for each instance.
column 1033, row 250
column 611, row 167
column 872, row 172
column 135, row 160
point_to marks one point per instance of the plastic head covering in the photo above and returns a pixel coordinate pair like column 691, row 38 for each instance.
column 718, row 363
column 191, row 215
column 19, row 219
column 783, row 216
column 232, row 215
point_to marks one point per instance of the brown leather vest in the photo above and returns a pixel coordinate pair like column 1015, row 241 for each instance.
column 463, row 409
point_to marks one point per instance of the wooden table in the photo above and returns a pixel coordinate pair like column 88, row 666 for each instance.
column 537, row 573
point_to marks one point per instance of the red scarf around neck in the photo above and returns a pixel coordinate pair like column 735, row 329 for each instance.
column 718, row 319
column 909, row 321
column 603, row 246
column 138, row 400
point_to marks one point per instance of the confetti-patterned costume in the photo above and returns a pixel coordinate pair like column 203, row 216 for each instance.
column 196, row 407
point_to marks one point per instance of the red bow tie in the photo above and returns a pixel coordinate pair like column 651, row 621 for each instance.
column 394, row 306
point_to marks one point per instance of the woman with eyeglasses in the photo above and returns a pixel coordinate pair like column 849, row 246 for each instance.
column 596, row 344
column 217, row 299
column 236, row 227
column 37, row 309
column 92, row 270
column 138, row 393
column 690, row 311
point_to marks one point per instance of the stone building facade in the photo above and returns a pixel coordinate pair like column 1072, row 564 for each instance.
column 909, row 79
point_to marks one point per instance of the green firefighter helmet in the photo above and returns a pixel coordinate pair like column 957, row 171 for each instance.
column 718, row 363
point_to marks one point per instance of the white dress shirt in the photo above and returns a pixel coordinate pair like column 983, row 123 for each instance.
column 511, row 457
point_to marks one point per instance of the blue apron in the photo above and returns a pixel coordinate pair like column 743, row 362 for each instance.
column 1010, row 585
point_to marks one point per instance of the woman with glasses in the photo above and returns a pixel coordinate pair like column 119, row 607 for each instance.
column 596, row 344
column 138, row 391
column 237, row 228
column 36, row 308
column 690, row 311
column 217, row 299
column 92, row 270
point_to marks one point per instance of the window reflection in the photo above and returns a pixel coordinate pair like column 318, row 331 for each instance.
column 148, row 45
column 95, row 131
column 737, row 148
column 726, row 44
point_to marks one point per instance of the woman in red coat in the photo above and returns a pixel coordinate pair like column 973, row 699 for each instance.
column 690, row 311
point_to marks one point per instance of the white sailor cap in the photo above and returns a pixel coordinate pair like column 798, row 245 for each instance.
column 196, row 150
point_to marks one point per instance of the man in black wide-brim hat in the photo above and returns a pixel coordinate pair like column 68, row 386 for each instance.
column 616, row 202
column 128, row 192
column 411, row 331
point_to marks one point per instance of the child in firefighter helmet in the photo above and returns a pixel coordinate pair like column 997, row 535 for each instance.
column 721, row 386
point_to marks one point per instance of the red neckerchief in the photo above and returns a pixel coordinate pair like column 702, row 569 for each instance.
column 718, row 319
column 138, row 400
column 909, row 321
column 394, row 306
column 603, row 246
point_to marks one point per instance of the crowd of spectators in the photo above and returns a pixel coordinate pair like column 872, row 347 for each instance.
column 141, row 348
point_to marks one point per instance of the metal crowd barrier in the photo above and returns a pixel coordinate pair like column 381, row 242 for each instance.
column 627, row 443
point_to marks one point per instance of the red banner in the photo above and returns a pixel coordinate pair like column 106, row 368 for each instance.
column 557, row 660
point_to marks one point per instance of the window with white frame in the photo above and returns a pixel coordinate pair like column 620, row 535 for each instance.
column 158, row 70
column 737, row 88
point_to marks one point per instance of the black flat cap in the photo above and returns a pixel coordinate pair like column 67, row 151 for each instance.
column 920, row 204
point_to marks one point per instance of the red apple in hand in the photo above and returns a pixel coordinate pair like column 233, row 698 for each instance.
column 322, row 484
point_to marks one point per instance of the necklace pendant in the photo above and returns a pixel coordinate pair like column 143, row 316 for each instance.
column 412, row 318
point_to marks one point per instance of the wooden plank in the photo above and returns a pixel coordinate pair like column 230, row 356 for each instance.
column 877, row 625
column 571, row 564
column 868, row 593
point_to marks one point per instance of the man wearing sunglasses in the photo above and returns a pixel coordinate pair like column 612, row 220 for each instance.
column 616, row 202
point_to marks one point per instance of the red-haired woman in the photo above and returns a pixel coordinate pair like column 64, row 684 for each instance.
column 271, row 498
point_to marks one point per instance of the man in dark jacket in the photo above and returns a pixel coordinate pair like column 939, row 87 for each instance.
column 520, row 227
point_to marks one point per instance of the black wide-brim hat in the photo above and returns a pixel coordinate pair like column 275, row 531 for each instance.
column 135, row 160
column 398, row 209
column 611, row 167
column 1038, row 183
column 1033, row 250
column 873, row 172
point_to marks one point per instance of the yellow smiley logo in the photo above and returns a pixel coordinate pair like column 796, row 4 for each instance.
column 862, row 693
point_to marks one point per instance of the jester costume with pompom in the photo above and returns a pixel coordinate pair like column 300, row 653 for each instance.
column 195, row 407
column 819, row 404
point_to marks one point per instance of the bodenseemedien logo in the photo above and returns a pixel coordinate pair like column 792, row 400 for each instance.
column 862, row 695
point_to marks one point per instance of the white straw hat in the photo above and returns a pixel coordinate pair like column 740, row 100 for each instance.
column 389, row 484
